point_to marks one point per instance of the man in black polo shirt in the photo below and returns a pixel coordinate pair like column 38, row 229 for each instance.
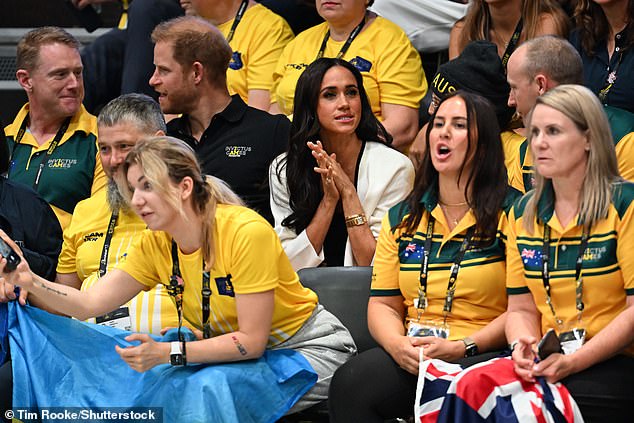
column 233, row 141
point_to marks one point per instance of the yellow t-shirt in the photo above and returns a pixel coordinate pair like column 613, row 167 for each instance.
column 625, row 156
column 150, row 311
column 607, row 269
column 257, row 44
column 479, row 296
column 391, row 67
column 249, row 259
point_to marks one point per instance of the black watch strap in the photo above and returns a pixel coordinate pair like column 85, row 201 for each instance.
column 470, row 346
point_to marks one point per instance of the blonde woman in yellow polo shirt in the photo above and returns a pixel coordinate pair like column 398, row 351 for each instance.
column 446, row 237
column 222, row 263
column 570, row 258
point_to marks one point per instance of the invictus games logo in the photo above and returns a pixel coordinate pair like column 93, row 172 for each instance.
column 594, row 254
column 61, row 163
column 236, row 151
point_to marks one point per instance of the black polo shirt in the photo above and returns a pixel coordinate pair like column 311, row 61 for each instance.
column 238, row 147
column 597, row 68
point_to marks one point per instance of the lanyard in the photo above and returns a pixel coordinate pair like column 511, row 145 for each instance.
column 346, row 45
column 58, row 136
column 610, row 79
column 453, row 277
column 578, row 279
column 237, row 19
column 103, row 263
column 175, row 290
column 510, row 48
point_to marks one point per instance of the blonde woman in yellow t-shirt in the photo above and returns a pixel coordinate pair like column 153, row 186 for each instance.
column 210, row 251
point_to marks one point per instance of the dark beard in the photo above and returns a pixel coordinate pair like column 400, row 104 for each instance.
column 115, row 199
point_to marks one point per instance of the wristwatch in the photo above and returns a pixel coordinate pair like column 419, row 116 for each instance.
column 177, row 357
column 356, row 220
column 470, row 346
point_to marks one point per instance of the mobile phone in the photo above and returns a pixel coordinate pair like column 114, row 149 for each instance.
column 13, row 259
column 548, row 345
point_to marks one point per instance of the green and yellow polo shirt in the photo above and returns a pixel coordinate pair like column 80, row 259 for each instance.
column 72, row 173
column 608, row 263
column 479, row 296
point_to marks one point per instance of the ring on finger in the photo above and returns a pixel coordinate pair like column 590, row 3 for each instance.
column 328, row 180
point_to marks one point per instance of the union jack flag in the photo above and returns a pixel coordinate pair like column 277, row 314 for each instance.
column 489, row 392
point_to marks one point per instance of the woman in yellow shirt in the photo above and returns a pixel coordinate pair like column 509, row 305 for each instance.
column 439, row 271
column 209, row 252
column 392, row 72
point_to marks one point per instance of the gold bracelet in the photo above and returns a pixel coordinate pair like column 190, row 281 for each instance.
column 356, row 220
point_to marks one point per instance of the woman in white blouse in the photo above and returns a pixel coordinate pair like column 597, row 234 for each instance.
column 339, row 176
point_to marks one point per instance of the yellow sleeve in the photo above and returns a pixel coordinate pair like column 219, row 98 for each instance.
column 515, row 282
column 265, row 54
column 140, row 263
column 385, row 272
column 624, row 248
column 400, row 72
column 279, row 70
column 99, row 178
column 66, row 262
column 511, row 144
column 255, row 253
column 625, row 156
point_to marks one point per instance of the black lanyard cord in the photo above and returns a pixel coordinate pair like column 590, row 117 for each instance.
column 346, row 45
column 510, row 48
column 578, row 267
column 455, row 268
column 103, row 263
column 58, row 137
column 176, row 288
column 237, row 19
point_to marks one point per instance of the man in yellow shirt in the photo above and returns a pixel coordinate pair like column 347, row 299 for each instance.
column 103, row 227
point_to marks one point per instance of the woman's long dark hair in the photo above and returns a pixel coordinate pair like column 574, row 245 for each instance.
column 488, row 179
column 304, row 184
column 594, row 28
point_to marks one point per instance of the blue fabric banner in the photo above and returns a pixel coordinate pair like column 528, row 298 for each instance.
column 63, row 362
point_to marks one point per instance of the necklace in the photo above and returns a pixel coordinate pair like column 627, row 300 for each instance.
column 500, row 39
column 464, row 203
column 449, row 216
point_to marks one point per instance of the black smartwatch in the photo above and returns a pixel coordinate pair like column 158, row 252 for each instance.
column 470, row 347
column 177, row 357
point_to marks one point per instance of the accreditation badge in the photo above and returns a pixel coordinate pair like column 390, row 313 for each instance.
column 572, row 340
column 119, row 318
column 427, row 328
